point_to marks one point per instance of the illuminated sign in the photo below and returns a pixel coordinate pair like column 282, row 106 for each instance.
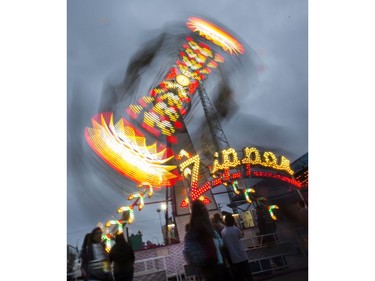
column 221, row 170
column 251, row 156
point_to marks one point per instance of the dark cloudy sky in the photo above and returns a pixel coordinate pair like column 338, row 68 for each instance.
column 103, row 36
column 38, row 196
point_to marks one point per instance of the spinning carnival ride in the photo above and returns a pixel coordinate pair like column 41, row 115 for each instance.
column 125, row 144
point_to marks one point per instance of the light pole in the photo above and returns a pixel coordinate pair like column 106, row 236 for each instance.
column 158, row 210
column 163, row 206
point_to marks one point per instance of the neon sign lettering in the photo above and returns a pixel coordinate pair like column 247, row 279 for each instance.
column 221, row 170
column 251, row 156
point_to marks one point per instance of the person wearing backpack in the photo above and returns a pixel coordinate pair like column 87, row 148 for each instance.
column 202, row 244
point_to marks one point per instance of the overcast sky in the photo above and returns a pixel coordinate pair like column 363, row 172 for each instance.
column 102, row 38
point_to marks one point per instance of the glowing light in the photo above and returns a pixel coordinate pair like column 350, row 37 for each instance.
column 117, row 223
column 182, row 80
column 216, row 35
column 187, row 173
column 170, row 100
column 107, row 239
column 125, row 149
column 205, row 200
column 230, row 160
column 184, row 203
column 161, row 114
column 127, row 153
column 139, row 197
column 270, row 208
column 163, row 206
column 237, row 175
column 278, row 177
column 148, row 187
column 247, row 194
column 218, row 181
column 251, row 155
column 195, row 192
column 183, row 153
column 235, row 187
column 128, row 214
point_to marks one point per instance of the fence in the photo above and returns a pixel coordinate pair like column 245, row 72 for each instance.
column 154, row 269
column 266, row 253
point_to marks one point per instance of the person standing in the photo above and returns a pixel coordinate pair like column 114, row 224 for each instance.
column 95, row 258
column 202, row 244
column 84, row 258
column 122, row 255
column 232, row 235
column 218, row 223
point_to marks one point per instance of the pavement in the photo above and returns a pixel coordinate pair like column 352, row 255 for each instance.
column 296, row 275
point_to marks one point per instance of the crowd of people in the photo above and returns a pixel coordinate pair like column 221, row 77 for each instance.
column 214, row 246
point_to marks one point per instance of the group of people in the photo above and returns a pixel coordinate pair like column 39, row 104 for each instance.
column 97, row 263
column 214, row 246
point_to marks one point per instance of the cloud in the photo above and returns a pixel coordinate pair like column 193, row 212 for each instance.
column 269, row 88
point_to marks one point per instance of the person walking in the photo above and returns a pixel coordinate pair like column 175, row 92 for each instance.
column 122, row 255
column 232, row 235
column 95, row 259
column 202, row 244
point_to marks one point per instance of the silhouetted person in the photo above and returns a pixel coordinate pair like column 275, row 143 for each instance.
column 266, row 225
column 122, row 255
column 218, row 223
column 232, row 241
column 202, row 244
column 96, row 259
column 84, row 259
